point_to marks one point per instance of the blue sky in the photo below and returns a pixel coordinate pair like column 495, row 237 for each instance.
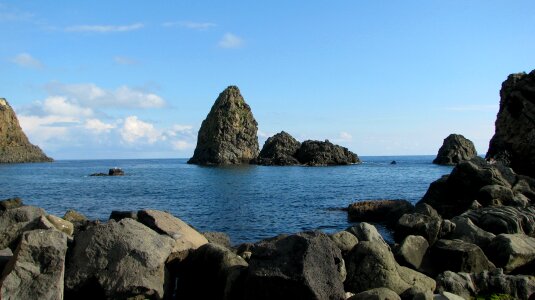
column 133, row 79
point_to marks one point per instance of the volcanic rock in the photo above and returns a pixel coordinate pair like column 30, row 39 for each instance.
column 14, row 222
column 228, row 135
column 14, row 145
column 456, row 148
column 513, row 252
column 514, row 139
column 317, row 153
column 388, row 211
column 459, row 256
column 10, row 203
column 279, row 150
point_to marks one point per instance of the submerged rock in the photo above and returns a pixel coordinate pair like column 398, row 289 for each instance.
column 317, row 153
column 228, row 135
column 455, row 149
column 14, row 145
column 514, row 139
column 279, row 150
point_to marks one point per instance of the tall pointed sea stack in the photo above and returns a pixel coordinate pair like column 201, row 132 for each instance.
column 228, row 135
column 14, row 145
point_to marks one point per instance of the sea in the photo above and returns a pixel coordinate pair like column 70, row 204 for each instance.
column 249, row 203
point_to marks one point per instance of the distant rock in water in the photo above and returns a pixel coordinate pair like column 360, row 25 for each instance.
column 279, row 150
column 513, row 143
column 455, row 149
column 317, row 153
column 228, row 135
column 14, row 145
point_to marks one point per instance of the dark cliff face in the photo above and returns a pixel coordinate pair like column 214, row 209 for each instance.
column 514, row 140
column 228, row 135
column 14, row 145
column 455, row 149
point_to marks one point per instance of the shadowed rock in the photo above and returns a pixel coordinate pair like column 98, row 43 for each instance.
column 228, row 135
column 455, row 149
column 317, row 153
column 279, row 150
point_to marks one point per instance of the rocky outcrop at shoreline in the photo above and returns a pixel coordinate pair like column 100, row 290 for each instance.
column 512, row 143
column 284, row 150
column 455, row 149
column 14, row 145
column 228, row 135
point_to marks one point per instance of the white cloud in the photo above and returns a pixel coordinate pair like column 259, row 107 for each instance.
column 123, row 60
column 104, row 28
column 190, row 25
column 90, row 95
column 97, row 126
column 344, row 136
column 230, row 41
column 27, row 61
column 182, row 145
column 41, row 130
column 134, row 130
column 60, row 106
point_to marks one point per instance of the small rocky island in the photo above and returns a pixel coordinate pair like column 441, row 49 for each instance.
column 228, row 136
column 14, row 145
column 455, row 149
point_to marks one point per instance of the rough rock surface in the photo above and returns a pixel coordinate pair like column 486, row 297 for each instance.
column 388, row 211
column 459, row 256
column 467, row 231
column 10, row 203
column 504, row 219
column 74, row 216
column 456, row 148
column 14, row 145
column 366, row 232
column 317, row 153
column 418, row 224
column 372, row 265
column 453, row 194
column 513, row 252
column 279, row 150
column 469, row 285
column 345, row 241
column 36, row 270
column 412, row 251
column 228, row 135
column 210, row 272
column 219, row 238
column 13, row 222
column 301, row 266
column 512, row 143
column 118, row 260
column 376, row 294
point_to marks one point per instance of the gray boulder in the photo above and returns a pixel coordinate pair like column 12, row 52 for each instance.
column 228, row 135
column 279, row 150
column 416, row 293
column 467, row 231
column 512, row 143
column 210, row 272
column 13, row 222
column 513, row 253
column 10, row 203
column 366, row 232
column 504, row 219
column 118, row 260
column 412, row 251
column 455, row 149
column 74, row 216
column 301, row 266
column 459, row 256
column 376, row 294
column 5, row 256
column 36, row 270
column 495, row 195
column 418, row 224
column 345, row 241
column 219, row 238
column 371, row 265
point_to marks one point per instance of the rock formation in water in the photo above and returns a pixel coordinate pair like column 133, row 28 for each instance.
column 317, row 153
column 228, row 135
column 279, row 150
column 456, row 148
column 14, row 145
column 283, row 150
column 514, row 139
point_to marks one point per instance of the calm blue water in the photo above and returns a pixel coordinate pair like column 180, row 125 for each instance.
column 247, row 202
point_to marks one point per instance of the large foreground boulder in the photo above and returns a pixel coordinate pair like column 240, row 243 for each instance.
column 514, row 139
column 279, row 150
column 13, row 222
column 459, row 256
column 36, row 270
column 118, row 260
column 14, row 145
column 513, row 253
column 317, row 153
column 228, row 135
column 372, row 265
column 301, row 266
column 455, row 149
